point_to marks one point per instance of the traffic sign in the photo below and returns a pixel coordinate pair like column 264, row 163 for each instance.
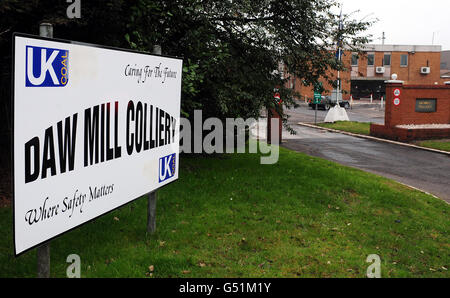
column 397, row 92
column 317, row 98
column 277, row 98
column 397, row 101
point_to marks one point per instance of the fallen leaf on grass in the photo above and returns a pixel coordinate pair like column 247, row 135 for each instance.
column 434, row 236
column 116, row 218
column 151, row 268
column 186, row 272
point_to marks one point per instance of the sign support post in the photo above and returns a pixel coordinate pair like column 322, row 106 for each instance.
column 152, row 197
column 151, row 212
column 315, row 114
column 272, row 113
column 43, row 251
column 43, row 261
column 317, row 99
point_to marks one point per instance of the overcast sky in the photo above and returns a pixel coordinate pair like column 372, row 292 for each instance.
column 410, row 22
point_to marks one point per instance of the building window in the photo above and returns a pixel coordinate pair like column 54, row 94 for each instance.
column 404, row 60
column 387, row 59
column 370, row 60
column 355, row 59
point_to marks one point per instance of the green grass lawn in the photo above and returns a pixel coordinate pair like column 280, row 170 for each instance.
column 229, row 216
column 443, row 145
column 353, row 127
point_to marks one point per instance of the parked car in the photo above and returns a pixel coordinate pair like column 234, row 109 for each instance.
column 326, row 103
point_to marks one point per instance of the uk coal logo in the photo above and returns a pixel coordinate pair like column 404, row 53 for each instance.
column 167, row 166
column 46, row 67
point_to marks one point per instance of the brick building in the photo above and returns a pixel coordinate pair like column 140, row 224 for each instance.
column 367, row 72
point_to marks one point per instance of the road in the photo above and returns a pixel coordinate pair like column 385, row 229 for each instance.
column 418, row 168
column 360, row 113
column 424, row 170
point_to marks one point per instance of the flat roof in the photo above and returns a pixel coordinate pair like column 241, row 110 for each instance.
column 402, row 48
column 370, row 78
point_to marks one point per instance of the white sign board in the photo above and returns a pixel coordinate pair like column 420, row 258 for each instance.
column 94, row 128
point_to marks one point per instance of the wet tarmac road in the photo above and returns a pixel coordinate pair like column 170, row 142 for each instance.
column 360, row 113
column 418, row 168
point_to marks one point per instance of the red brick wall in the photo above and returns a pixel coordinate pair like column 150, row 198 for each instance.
column 308, row 91
column 406, row 113
column 418, row 60
column 410, row 74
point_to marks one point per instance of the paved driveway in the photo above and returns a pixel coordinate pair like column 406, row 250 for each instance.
column 360, row 113
column 422, row 169
column 418, row 168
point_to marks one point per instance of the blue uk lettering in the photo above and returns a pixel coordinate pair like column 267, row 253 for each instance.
column 46, row 67
column 167, row 167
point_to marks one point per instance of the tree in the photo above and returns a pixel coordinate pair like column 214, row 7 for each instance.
column 231, row 49
column 102, row 22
